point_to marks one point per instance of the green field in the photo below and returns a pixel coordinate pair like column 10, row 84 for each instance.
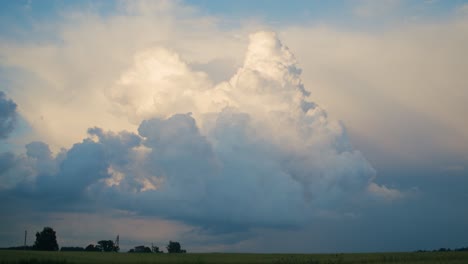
column 38, row 257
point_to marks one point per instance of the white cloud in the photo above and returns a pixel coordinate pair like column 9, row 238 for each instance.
column 384, row 192
column 371, row 80
column 157, row 84
column 265, row 156
column 63, row 86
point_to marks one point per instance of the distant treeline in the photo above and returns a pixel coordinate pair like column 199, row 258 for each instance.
column 444, row 250
column 18, row 248
column 72, row 249
column 47, row 240
column 172, row 247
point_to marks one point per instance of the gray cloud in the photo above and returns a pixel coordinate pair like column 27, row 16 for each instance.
column 8, row 115
column 116, row 145
column 84, row 164
column 40, row 153
column 226, row 181
column 6, row 159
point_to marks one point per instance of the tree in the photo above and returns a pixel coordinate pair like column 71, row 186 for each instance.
column 46, row 240
column 107, row 246
column 91, row 247
column 174, row 247
column 140, row 249
column 156, row 249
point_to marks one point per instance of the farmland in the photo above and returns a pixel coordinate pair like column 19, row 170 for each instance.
column 38, row 257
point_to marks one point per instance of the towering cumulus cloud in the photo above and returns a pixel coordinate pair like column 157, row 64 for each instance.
column 253, row 151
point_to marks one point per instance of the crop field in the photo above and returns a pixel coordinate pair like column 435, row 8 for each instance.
column 38, row 257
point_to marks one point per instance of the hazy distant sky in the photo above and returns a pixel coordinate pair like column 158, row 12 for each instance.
column 244, row 126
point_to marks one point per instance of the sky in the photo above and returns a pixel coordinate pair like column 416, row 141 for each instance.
column 235, row 126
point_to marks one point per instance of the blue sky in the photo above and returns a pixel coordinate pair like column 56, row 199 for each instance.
column 333, row 12
column 246, row 126
column 22, row 15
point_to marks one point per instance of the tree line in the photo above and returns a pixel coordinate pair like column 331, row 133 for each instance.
column 444, row 250
column 46, row 240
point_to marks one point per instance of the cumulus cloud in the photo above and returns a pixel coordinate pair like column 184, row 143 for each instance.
column 158, row 83
column 252, row 151
column 178, row 124
column 7, row 115
column 61, row 95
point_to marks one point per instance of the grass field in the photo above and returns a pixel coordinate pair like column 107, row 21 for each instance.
column 37, row 257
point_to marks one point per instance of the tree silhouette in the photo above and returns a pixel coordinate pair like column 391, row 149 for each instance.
column 46, row 240
column 174, row 247
column 107, row 246
column 155, row 249
column 140, row 249
column 91, row 247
